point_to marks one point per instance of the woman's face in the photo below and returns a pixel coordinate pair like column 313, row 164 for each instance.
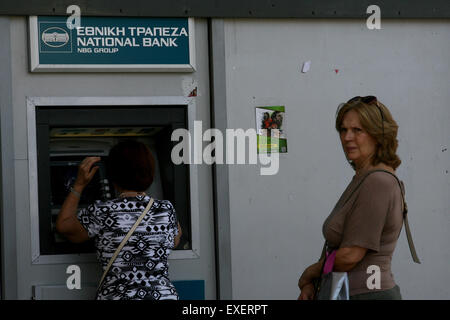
column 358, row 145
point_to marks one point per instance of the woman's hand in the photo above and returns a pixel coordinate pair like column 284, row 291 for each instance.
column 67, row 222
column 307, row 292
column 310, row 273
column 85, row 173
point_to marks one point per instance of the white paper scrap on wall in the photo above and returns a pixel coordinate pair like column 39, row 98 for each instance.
column 306, row 66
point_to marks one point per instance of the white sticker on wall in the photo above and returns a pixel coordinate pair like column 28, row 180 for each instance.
column 306, row 66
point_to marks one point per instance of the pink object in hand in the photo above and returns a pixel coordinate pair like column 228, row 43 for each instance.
column 329, row 262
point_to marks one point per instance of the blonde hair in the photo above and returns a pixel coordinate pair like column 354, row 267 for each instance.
column 376, row 119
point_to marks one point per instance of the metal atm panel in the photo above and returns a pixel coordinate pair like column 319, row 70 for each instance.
column 66, row 135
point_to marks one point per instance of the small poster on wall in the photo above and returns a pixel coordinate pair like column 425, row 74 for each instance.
column 271, row 135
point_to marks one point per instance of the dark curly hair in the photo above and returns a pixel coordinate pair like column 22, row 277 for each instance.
column 130, row 165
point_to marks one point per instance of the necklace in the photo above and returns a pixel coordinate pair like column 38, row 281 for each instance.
column 131, row 194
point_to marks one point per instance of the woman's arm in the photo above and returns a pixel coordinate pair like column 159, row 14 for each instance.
column 305, row 283
column 348, row 258
column 67, row 222
column 178, row 237
column 310, row 273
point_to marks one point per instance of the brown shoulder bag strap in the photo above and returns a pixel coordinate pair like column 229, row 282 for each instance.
column 412, row 248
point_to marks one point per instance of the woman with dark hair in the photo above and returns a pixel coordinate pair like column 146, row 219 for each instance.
column 140, row 271
column 366, row 222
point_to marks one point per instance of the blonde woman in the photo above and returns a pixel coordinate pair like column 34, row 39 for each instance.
column 366, row 222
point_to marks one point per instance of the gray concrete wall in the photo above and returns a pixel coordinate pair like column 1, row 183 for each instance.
column 276, row 220
column 26, row 84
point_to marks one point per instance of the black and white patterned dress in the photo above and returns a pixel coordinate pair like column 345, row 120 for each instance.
column 140, row 271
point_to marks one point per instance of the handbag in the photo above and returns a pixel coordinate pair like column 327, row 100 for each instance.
column 124, row 240
column 332, row 285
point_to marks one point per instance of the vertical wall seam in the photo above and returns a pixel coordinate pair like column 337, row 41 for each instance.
column 7, row 171
column 221, row 195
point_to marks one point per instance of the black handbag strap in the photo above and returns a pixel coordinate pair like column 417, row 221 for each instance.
column 412, row 248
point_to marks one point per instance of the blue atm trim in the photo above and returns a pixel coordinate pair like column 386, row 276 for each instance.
column 190, row 289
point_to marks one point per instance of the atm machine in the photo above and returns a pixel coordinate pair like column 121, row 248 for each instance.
column 66, row 135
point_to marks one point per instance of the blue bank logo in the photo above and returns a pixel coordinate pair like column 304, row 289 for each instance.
column 55, row 37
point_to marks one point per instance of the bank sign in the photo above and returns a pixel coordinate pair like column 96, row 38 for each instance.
column 102, row 44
